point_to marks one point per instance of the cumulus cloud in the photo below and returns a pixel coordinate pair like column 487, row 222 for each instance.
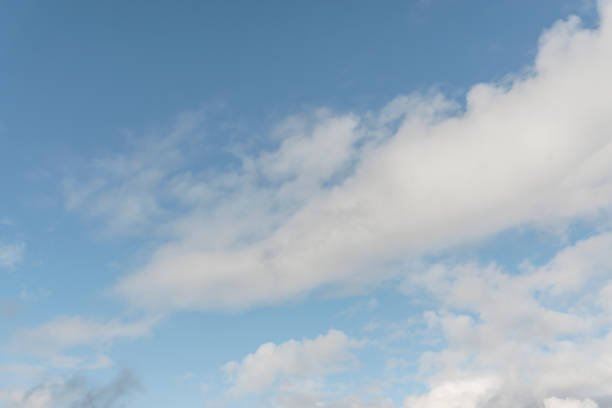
column 73, row 392
column 296, row 374
column 458, row 394
column 52, row 339
column 485, row 393
column 308, row 358
column 539, row 332
column 343, row 196
column 11, row 254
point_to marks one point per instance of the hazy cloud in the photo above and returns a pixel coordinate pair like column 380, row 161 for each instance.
column 74, row 392
column 52, row 339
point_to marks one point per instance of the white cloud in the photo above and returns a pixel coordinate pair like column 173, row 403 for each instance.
column 314, row 399
column 64, row 333
column 569, row 403
column 308, row 358
column 11, row 254
column 470, row 393
column 549, row 301
column 342, row 196
column 296, row 374
column 484, row 392
column 540, row 332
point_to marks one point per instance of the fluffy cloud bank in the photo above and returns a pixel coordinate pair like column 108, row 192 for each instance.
column 341, row 197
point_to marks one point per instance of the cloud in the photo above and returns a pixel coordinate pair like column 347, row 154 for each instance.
column 297, row 374
column 459, row 394
column 5, row 221
column 21, row 369
column 484, row 392
column 535, row 333
column 343, row 196
column 65, row 333
column 305, row 359
column 74, row 393
column 123, row 190
column 562, row 297
column 11, row 254
column 314, row 399
column 569, row 403
column 337, row 200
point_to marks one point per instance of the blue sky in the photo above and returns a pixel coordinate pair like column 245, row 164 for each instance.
column 317, row 204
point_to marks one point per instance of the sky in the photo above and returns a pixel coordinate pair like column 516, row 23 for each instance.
column 331, row 204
